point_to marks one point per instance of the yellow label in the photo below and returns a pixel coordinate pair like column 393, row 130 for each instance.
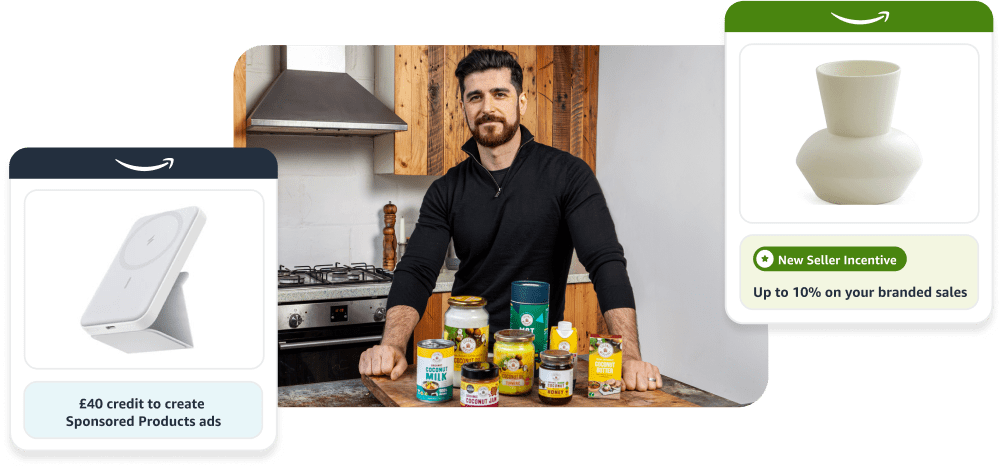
column 605, row 371
column 429, row 352
column 565, row 344
column 470, row 344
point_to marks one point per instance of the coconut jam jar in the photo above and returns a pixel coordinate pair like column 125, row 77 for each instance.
column 466, row 323
column 514, row 354
column 480, row 385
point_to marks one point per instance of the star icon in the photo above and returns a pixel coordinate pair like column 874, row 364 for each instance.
column 764, row 258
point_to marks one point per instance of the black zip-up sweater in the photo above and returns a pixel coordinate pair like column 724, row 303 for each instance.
column 523, row 228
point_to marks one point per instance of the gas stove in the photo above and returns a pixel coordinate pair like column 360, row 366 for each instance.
column 322, row 340
column 336, row 274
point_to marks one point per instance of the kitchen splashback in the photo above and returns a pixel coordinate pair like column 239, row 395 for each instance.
column 329, row 199
column 330, row 207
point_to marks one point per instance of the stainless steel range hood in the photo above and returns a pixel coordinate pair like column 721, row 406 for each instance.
column 304, row 101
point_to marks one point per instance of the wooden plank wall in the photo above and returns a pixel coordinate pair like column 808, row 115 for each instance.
column 431, row 324
column 561, row 87
column 240, row 102
column 405, row 73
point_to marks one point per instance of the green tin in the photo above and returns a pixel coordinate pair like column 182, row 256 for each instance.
column 529, row 310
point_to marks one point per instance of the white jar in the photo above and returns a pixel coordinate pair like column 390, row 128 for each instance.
column 467, row 323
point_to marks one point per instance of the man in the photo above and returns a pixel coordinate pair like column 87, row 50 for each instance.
column 515, row 209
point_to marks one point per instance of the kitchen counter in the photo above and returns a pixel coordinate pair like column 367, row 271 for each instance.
column 444, row 283
column 354, row 393
column 327, row 394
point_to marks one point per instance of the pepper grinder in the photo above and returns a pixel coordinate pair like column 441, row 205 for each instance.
column 389, row 237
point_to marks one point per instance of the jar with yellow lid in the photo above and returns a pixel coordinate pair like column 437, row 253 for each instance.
column 514, row 353
column 466, row 323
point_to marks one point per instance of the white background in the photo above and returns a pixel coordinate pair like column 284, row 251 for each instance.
column 982, row 227
column 937, row 105
column 660, row 160
column 72, row 238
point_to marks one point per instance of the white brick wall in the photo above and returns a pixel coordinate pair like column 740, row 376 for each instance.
column 329, row 199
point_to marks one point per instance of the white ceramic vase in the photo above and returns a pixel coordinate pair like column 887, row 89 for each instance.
column 858, row 158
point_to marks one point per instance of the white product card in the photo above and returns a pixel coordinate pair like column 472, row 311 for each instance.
column 142, row 299
column 858, row 164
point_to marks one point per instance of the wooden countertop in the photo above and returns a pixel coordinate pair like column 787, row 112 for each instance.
column 402, row 392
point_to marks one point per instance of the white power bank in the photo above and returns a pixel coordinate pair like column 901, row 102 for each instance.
column 139, row 306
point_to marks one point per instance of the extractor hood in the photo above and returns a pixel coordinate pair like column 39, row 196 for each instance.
column 320, row 101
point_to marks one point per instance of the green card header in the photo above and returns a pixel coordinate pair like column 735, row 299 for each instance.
column 859, row 17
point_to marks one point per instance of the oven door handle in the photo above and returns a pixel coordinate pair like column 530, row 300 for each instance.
column 340, row 341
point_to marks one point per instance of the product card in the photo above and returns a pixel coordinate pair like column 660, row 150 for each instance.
column 858, row 162
column 142, row 299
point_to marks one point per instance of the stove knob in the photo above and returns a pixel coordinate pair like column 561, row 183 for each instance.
column 379, row 314
column 294, row 320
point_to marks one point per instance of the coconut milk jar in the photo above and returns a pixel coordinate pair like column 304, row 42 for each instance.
column 435, row 364
column 529, row 310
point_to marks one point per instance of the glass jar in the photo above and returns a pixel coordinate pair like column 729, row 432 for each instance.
column 466, row 323
column 514, row 354
column 555, row 377
column 480, row 384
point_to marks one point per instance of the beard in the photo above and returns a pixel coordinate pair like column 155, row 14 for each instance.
column 494, row 138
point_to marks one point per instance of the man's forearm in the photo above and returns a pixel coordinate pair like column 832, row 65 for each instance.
column 621, row 321
column 399, row 324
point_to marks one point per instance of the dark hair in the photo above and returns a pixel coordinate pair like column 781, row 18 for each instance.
column 489, row 59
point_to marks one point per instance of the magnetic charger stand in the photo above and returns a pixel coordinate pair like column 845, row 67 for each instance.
column 139, row 305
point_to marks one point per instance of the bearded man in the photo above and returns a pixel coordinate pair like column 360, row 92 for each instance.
column 515, row 209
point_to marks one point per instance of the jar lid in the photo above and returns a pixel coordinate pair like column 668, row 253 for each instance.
column 529, row 292
column 436, row 343
column 466, row 301
column 556, row 356
column 480, row 370
column 514, row 336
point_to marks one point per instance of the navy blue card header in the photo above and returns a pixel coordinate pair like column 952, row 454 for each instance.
column 143, row 163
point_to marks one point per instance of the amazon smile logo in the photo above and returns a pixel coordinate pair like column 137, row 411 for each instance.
column 167, row 162
column 882, row 14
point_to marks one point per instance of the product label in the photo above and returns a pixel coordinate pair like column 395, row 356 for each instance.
column 559, row 342
column 517, row 368
column 434, row 373
column 480, row 394
column 555, row 384
column 605, row 371
column 534, row 318
column 470, row 344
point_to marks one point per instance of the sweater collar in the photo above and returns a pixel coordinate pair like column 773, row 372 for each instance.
column 470, row 147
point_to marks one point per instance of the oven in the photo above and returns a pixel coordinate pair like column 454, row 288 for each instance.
column 327, row 316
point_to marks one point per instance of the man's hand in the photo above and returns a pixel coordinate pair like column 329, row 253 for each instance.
column 389, row 358
column 383, row 360
column 637, row 373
